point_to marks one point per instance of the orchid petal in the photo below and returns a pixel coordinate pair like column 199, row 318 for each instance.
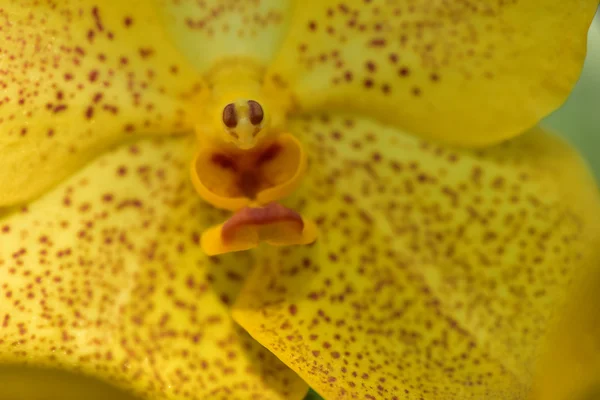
column 468, row 73
column 437, row 271
column 79, row 77
column 570, row 366
column 105, row 275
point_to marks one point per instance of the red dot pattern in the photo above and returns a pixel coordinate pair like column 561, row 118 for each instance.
column 437, row 271
column 78, row 77
column 451, row 70
column 433, row 268
column 105, row 275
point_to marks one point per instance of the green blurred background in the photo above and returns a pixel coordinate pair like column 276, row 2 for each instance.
column 578, row 119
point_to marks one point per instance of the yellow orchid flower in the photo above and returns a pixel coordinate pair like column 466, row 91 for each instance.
column 142, row 138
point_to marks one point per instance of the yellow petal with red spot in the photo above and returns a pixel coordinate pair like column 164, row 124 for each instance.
column 469, row 73
column 78, row 77
column 208, row 31
column 105, row 275
column 437, row 271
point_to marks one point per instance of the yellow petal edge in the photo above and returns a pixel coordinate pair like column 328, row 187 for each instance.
column 470, row 73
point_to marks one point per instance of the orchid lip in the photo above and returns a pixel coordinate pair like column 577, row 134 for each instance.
column 249, row 182
column 274, row 224
column 246, row 166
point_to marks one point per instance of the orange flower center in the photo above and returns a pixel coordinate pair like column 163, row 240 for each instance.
column 246, row 162
column 230, row 178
